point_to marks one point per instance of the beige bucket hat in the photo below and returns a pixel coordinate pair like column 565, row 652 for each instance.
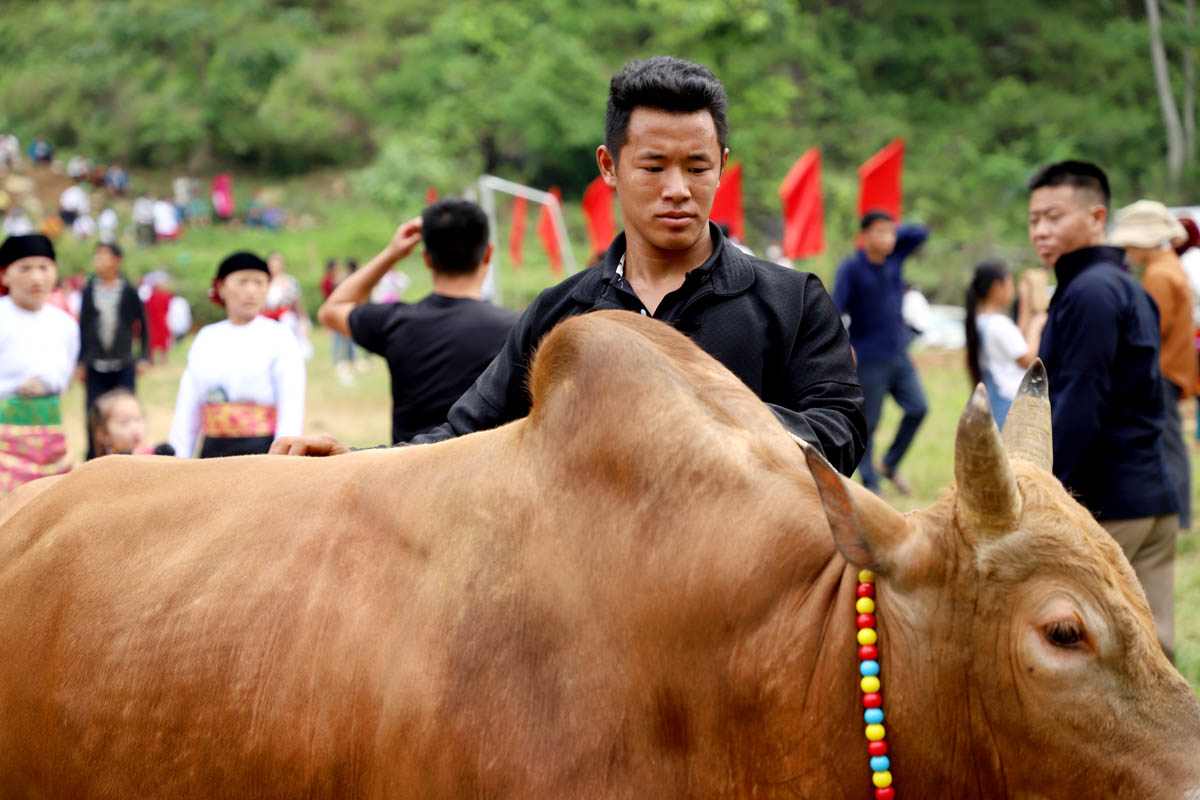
column 1146, row 223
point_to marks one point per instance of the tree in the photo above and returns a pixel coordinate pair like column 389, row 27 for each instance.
column 1176, row 148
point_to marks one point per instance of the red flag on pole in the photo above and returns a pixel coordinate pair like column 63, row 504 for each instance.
column 803, row 207
column 879, row 180
column 549, row 235
column 516, row 234
column 727, row 203
column 431, row 195
column 598, row 209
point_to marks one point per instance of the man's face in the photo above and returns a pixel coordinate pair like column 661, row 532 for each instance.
column 1063, row 219
column 665, row 176
column 30, row 280
column 107, row 265
column 879, row 239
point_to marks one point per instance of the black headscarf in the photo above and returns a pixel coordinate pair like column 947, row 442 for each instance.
column 239, row 261
column 18, row 247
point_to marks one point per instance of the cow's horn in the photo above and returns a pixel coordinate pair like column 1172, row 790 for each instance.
column 1027, row 431
column 988, row 500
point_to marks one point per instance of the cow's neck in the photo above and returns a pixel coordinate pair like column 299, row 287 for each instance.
column 935, row 728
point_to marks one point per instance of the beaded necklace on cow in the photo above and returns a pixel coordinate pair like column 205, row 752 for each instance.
column 868, row 669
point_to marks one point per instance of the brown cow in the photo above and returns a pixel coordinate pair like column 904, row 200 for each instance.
column 632, row 593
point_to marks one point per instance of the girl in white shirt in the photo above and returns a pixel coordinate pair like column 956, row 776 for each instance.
column 244, row 381
column 39, row 346
column 998, row 350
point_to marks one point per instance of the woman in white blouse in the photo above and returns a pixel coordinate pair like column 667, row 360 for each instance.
column 39, row 345
column 999, row 350
column 244, row 381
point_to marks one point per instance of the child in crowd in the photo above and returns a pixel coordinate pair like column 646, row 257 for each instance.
column 998, row 349
column 118, row 426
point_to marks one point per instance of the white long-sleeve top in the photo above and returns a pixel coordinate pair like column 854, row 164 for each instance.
column 44, row 343
column 259, row 362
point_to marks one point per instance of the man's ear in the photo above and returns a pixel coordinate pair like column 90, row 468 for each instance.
column 724, row 161
column 1100, row 215
column 487, row 254
column 866, row 530
column 608, row 166
column 429, row 261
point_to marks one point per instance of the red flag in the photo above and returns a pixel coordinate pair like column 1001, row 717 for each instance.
column 549, row 235
column 803, row 207
column 727, row 203
column 431, row 195
column 516, row 234
column 598, row 209
column 879, row 180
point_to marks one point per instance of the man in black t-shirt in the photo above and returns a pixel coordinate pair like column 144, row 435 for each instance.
column 437, row 347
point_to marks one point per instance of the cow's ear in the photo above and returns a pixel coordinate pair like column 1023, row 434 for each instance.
column 867, row 531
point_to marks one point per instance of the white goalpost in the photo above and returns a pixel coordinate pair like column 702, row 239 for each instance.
column 488, row 185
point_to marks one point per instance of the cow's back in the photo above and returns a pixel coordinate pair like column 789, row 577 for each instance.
column 546, row 609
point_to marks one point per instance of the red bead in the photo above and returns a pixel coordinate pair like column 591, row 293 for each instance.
column 877, row 748
column 866, row 620
column 886, row 793
column 872, row 700
column 868, row 652
column 865, row 590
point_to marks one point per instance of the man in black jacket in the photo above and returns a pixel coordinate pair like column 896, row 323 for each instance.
column 775, row 328
column 1100, row 346
column 107, row 312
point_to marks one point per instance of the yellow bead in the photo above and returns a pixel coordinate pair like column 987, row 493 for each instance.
column 875, row 733
column 867, row 636
column 869, row 684
column 865, row 605
column 882, row 780
column 866, row 576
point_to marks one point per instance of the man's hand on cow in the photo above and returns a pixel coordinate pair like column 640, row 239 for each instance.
column 405, row 239
column 319, row 445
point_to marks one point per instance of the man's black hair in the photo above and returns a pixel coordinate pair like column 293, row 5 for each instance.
column 455, row 232
column 1076, row 174
column 667, row 84
column 112, row 247
column 873, row 216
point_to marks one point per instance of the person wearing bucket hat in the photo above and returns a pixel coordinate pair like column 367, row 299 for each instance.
column 1145, row 229
column 244, row 381
column 39, row 344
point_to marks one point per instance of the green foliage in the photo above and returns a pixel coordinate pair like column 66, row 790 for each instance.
column 417, row 92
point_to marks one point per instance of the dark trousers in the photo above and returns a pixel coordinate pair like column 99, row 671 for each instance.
column 97, row 384
column 897, row 377
column 1175, row 452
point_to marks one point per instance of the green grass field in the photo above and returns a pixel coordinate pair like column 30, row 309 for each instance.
column 361, row 416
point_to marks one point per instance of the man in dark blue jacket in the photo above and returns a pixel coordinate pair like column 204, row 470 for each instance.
column 870, row 288
column 775, row 328
column 1100, row 346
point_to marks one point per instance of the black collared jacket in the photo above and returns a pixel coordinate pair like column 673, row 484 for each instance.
column 1100, row 347
column 773, row 327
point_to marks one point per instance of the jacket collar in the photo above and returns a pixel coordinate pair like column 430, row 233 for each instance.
column 731, row 269
column 1069, row 265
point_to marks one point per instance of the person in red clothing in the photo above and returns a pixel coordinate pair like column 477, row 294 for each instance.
column 156, row 317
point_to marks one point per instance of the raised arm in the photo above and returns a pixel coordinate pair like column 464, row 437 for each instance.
column 355, row 289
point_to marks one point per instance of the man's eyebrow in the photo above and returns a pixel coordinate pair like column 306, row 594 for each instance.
column 651, row 155
column 700, row 157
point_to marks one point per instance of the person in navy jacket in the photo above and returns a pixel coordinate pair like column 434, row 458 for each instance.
column 870, row 289
column 1101, row 347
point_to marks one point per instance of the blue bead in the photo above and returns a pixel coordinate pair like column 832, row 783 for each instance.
column 868, row 668
column 873, row 716
column 880, row 764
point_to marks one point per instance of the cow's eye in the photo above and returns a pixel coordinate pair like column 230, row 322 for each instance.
column 1064, row 633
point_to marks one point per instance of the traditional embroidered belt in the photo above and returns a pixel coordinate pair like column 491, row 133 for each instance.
column 237, row 420
column 30, row 410
column 32, row 444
